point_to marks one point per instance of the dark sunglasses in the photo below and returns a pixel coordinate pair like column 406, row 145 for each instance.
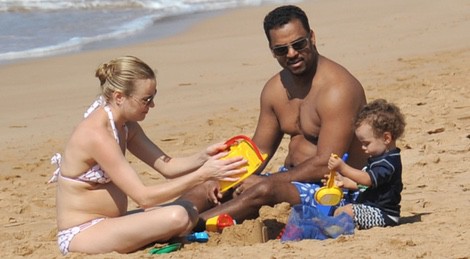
column 297, row 45
column 145, row 101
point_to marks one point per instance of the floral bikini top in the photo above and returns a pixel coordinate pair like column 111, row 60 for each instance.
column 95, row 174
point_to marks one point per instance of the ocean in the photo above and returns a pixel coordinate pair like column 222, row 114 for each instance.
column 40, row 28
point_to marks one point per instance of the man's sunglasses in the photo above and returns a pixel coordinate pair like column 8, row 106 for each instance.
column 297, row 45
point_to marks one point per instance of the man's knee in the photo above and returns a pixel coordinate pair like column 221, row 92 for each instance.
column 262, row 192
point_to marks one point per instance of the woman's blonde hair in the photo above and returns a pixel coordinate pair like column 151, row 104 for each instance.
column 120, row 74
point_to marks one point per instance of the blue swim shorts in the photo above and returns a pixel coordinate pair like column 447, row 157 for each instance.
column 307, row 194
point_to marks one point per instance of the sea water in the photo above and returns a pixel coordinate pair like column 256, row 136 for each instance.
column 40, row 28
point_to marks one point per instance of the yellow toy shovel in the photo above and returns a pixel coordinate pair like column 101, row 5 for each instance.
column 241, row 145
column 330, row 194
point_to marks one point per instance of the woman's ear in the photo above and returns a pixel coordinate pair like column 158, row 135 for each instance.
column 118, row 98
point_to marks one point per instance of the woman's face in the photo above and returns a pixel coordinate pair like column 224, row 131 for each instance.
column 142, row 99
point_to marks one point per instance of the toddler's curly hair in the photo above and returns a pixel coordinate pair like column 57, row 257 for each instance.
column 383, row 117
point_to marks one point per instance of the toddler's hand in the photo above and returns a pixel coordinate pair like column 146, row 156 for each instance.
column 335, row 163
column 338, row 179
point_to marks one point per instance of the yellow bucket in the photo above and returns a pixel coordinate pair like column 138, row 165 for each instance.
column 330, row 194
column 241, row 145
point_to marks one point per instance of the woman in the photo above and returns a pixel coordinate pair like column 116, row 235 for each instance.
column 95, row 179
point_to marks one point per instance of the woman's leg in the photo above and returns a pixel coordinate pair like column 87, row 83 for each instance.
column 128, row 233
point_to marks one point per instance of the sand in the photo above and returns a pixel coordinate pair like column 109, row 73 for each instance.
column 413, row 53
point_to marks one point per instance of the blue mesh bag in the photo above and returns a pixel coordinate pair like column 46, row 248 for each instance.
column 308, row 222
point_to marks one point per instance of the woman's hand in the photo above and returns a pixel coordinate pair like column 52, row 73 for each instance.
column 215, row 149
column 211, row 151
column 224, row 169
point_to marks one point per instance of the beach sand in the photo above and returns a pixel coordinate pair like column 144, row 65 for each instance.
column 413, row 53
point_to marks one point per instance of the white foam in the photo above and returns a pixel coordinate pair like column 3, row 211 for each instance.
column 141, row 15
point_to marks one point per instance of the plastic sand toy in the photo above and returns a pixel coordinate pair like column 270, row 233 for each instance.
column 243, row 146
column 330, row 194
column 166, row 249
column 200, row 237
column 218, row 223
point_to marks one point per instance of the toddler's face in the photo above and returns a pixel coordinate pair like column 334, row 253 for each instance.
column 372, row 145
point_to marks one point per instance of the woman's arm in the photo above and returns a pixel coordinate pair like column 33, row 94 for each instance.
column 103, row 148
column 144, row 149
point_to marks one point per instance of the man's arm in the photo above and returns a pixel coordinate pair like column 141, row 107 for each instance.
column 268, row 134
column 336, row 107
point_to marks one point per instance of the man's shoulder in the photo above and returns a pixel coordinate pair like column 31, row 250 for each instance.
column 273, row 85
column 333, row 71
column 275, row 80
column 335, row 80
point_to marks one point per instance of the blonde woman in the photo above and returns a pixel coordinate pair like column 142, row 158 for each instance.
column 94, row 179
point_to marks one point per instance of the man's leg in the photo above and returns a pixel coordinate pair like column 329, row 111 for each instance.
column 198, row 196
column 247, row 205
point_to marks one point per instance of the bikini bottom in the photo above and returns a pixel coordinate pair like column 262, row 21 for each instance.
column 64, row 237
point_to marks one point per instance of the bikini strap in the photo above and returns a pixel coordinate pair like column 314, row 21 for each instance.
column 55, row 160
column 111, row 121
column 97, row 103
column 100, row 101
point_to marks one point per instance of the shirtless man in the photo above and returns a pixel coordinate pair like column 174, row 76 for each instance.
column 312, row 99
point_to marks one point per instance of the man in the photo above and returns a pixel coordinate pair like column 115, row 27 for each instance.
column 312, row 99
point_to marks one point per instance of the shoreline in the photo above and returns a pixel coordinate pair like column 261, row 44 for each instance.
column 161, row 29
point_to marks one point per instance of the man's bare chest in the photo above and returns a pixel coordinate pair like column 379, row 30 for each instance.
column 300, row 117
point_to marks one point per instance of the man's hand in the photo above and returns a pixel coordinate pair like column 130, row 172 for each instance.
column 213, row 192
column 247, row 183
